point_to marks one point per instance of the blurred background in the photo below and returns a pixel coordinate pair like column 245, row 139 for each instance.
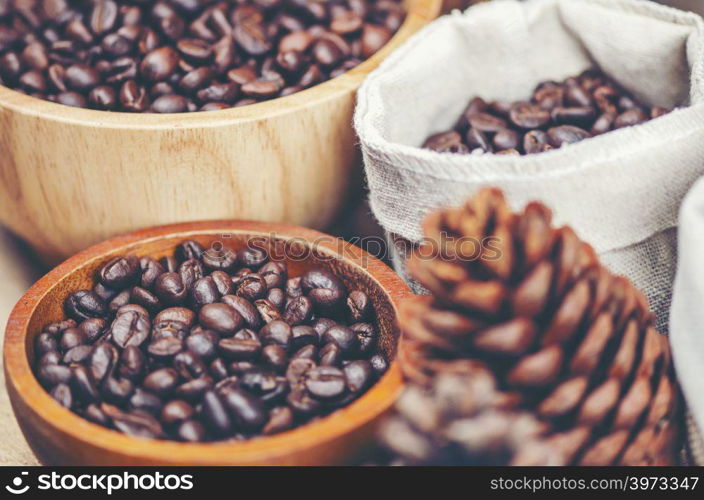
column 19, row 269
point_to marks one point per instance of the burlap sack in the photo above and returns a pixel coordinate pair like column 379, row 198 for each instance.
column 620, row 191
column 687, row 316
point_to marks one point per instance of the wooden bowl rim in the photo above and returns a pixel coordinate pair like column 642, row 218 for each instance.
column 363, row 411
column 419, row 12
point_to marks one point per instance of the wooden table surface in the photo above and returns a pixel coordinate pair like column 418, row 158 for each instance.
column 17, row 273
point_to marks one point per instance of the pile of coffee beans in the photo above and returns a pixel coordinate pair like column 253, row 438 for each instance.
column 209, row 345
column 172, row 56
column 558, row 113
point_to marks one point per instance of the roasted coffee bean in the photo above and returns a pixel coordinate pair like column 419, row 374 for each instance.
column 630, row 117
column 50, row 358
column 280, row 419
column 258, row 381
column 219, row 260
column 165, row 347
column 309, row 351
column 299, row 310
column 321, row 325
column 85, row 304
column 169, row 329
column 581, row 116
column 96, row 415
column 62, row 395
column 204, row 291
column 159, row 64
column 358, row 306
column 326, row 290
column 103, row 360
column 203, row 344
column 120, row 272
column 117, row 391
column 528, row 116
column 535, row 141
column 218, row 369
column 44, row 343
column 245, row 308
column 132, row 363
column 92, row 329
column 133, row 97
column 215, row 414
column 181, row 315
column 220, row 318
column 325, row 382
column 506, row 139
column 145, row 298
column 252, row 257
column 176, row 411
column 274, row 274
column 445, row 142
column 297, row 370
column 251, row 287
column 189, row 366
column 83, row 385
column 60, row 326
column 170, row 103
column 130, row 328
column 170, row 289
column 343, row 337
column 191, row 431
column 161, row 382
column 77, row 354
column 277, row 297
column 330, row 355
column 239, row 349
column 379, row 364
column 136, row 424
column 120, row 300
column 51, row 375
column 248, row 411
column 302, row 335
column 566, row 134
column 222, row 282
column 194, row 389
column 274, row 356
column 267, row 310
column 71, row 338
column 557, row 114
column 294, row 287
column 367, row 336
column 191, row 271
column 145, row 401
column 276, row 332
column 373, row 38
column 301, row 402
column 189, row 249
column 359, row 375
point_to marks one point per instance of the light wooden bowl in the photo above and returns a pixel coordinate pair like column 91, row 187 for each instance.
column 72, row 177
column 58, row 436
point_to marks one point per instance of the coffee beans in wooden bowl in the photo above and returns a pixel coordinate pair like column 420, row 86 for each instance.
column 173, row 56
column 557, row 114
column 209, row 345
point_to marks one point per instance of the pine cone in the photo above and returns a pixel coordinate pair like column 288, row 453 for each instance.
column 566, row 340
column 460, row 419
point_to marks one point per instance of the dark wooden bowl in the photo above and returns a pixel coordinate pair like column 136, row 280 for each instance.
column 59, row 436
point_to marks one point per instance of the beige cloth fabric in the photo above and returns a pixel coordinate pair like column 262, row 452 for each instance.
column 16, row 275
